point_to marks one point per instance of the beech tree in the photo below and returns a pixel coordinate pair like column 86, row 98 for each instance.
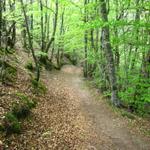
column 30, row 41
column 106, row 46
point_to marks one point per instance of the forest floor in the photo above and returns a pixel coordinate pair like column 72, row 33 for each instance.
column 73, row 116
column 104, row 128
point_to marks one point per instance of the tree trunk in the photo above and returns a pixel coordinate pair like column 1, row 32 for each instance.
column 42, row 27
column 55, row 27
column 137, row 18
column 105, row 35
column 61, row 42
column 1, row 23
column 85, row 41
column 30, row 42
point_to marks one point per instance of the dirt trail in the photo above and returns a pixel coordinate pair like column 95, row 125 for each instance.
column 107, row 130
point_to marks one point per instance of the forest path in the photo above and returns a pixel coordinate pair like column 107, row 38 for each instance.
column 106, row 130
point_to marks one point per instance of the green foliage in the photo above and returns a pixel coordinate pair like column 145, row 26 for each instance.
column 22, row 109
column 38, row 87
column 2, row 128
column 40, row 54
column 9, row 73
column 137, row 96
column 29, row 66
column 107, row 94
column 11, row 124
column 127, row 114
column 72, row 57
column 30, row 102
column 100, row 81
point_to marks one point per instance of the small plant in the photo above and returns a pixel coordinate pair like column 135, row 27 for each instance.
column 29, row 66
column 22, row 109
column 38, row 87
column 11, row 124
column 9, row 74
column 128, row 115
column 30, row 102
column 34, row 83
column 2, row 127
column 107, row 94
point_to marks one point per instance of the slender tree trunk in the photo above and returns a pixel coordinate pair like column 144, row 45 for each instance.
column 146, row 56
column 137, row 18
column 30, row 42
column 85, row 41
column 42, row 27
column 1, row 23
column 31, row 21
column 105, row 33
column 61, row 44
column 55, row 27
column 12, row 38
column 46, row 24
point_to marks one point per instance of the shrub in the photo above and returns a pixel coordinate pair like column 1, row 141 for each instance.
column 137, row 96
column 2, row 128
column 11, row 124
column 34, row 83
column 127, row 114
column 9, row 74
column 38, row 87
column 30, row 102
column 29, row 66
column 23, row 108
column 20, row 110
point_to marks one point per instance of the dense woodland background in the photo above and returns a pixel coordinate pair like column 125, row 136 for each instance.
column 109, row 38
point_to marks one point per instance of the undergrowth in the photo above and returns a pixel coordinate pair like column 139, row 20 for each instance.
column 20, row 110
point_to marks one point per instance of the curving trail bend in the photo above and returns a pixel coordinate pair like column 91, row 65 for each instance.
column 103, row 129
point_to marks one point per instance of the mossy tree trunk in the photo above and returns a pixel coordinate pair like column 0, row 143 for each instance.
column 106, row 45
